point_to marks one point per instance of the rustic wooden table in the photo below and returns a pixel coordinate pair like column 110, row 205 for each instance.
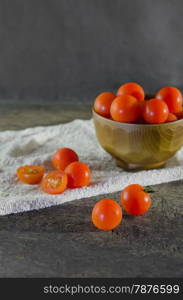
column 61, row 241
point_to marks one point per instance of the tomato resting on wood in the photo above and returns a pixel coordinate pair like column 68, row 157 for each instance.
column 133, row 89
column 103, row 103
column 173, row 98
column 125, row 108
column 54, row 182
column 155, row 111
column 79, row 174
column 30, row 174
column 106, row 214
column 135, row 200
column 63, row 157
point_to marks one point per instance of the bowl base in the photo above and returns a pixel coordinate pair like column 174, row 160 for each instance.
column 136, row 167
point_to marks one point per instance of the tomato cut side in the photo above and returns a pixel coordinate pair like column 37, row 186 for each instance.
column 54, row 182
column 30, row 174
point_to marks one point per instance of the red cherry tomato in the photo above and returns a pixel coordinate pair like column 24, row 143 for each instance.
column 79, row 174
column 171, row 118
column 135, row 200
column 63, row 157
column 155, row 111
column 173, row 98
column 103, row 103
column 179, row 115
column 133, row 89
column 125, row 109
column 106, row 214
column 30, row 174
column 54, row 182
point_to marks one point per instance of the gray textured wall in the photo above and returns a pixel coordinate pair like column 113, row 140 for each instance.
column 72, row 49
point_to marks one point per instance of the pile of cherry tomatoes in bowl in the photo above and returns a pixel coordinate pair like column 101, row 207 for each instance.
column 130, row 105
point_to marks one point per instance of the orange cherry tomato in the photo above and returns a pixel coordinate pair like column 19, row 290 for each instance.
column 30, row 174
column 63, row 157
column 106, row 214
column 133, row 89
column 79, row 174
column 155, row 111
column 135, row 200
column 54, row 182
column 171, row 118
column 173, row 98
column 103, row 103
column 125, row 108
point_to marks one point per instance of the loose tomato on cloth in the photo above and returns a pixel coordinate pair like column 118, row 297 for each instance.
column 79, row 174
column 135, row 200
column 133, row 89
column 106, row 214
column 173, row 98
column 30, row 174
column 103, row 103
column 125, row 108
column 155, row 111
column 63, row 157
column 54, row 182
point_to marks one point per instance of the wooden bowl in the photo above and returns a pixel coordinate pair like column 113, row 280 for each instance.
column 139, row 146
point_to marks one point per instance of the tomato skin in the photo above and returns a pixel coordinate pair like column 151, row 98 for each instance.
column 79, row 174
column 106, row 214
column 173, row 98
column 54, row 182
column 125, row 108
column 135, row 200
column 63, row 157
column 133, row 89
column 103, row 103
column 30, row 174
column 155, row 111
column 179, row 115
column 171, row 118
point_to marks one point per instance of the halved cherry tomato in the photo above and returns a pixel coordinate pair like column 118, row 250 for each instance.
column 171, row 118
column 63, row 157
column 30, row 174
column 155, row 111
column 173, row 98
column 135, row 200
column 133, row 89
column 54, row 182
column 103, row 103
column 125, row 108
column 106, row 214
column 79, row 174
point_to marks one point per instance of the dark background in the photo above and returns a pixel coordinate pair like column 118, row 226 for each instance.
column 73, row 49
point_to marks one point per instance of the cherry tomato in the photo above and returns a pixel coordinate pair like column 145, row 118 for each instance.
column 125, row 108
column 106, row 214
column 54, row 182
column 179, row 115
column 30, row 174
column 135, row 200
column 133, row 89
column 155, row 111
column 63, row 157
column 103, row 103
column 173, row 98
column 171, row 118
column 79, row 174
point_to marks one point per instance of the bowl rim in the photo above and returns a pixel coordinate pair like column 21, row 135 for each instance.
column 133, row 124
